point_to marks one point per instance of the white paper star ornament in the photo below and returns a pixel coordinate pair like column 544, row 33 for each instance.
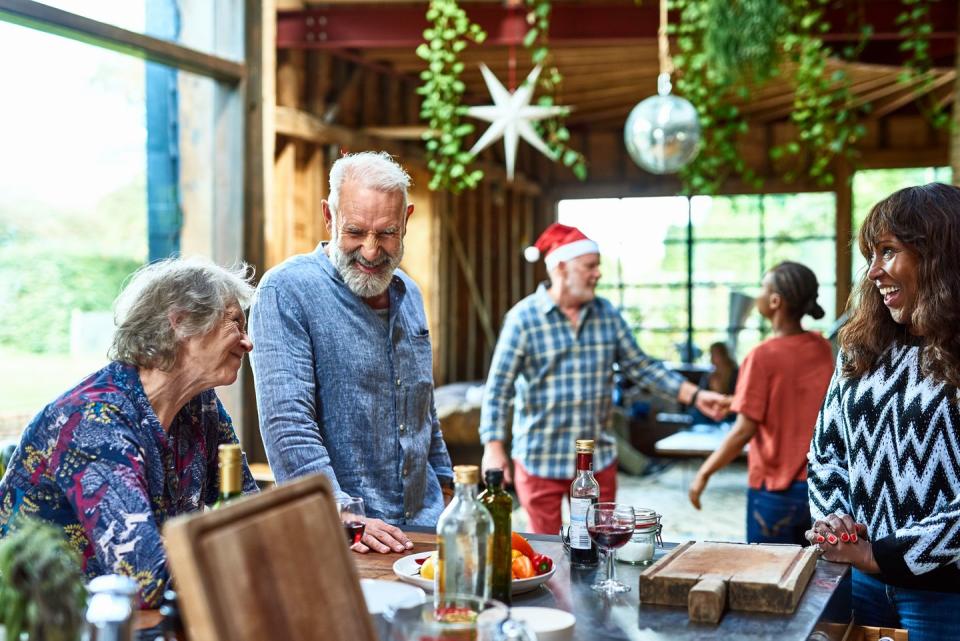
column 510, row 116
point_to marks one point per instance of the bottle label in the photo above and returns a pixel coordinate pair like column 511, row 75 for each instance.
column 579, row 536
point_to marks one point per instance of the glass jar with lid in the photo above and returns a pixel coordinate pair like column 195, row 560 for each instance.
column 646, row 536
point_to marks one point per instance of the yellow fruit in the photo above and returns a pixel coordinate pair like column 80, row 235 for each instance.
column 515, row 553
column 426, row 570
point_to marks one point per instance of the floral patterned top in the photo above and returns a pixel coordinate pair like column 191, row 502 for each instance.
column 97, row 463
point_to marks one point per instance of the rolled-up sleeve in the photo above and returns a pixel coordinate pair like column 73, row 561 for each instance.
column 286, row 388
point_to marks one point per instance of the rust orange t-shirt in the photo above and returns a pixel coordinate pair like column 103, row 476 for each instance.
column 781, row 386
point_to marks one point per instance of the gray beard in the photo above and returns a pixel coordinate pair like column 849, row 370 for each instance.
column 362, row 284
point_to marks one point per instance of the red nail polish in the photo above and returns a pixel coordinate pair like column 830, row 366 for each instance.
column 832, row 539
column 845, row 537
column 853, row 538
column 820, row 538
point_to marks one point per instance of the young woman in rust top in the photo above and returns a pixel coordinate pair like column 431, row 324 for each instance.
column 779, row 391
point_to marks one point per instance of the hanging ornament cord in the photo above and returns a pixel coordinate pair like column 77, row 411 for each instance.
column 666, row 63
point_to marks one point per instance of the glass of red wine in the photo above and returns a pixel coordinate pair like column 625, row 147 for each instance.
column 610, row 526
column 353, row 518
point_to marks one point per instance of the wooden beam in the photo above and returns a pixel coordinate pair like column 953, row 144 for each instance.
column 912, row 95
column 844, row 234
column 100, row 34
column 259, row 141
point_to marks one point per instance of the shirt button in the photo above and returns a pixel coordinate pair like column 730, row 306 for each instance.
column 405, row 471
column 407, row 514
column 398, row 382
column 402, row 427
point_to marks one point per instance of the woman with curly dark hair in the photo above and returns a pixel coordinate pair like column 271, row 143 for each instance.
column 885, row 457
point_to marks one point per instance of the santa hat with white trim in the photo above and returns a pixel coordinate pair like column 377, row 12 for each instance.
column 560, row 243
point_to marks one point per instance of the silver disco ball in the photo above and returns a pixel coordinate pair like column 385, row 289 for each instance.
column 662, row 133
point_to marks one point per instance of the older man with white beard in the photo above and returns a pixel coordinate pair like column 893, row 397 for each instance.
column 343, row 372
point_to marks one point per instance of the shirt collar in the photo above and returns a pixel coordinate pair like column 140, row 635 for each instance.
column 545, row 302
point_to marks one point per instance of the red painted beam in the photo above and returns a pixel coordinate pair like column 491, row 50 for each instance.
column 388, row 25
column 365, row 26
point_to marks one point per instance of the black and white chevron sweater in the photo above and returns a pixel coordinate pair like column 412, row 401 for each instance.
column 886, row 450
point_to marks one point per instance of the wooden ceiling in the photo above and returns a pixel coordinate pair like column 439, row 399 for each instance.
column 607, row 52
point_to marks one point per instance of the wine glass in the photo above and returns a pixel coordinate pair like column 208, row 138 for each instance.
column 610, row 526
column 353, row 518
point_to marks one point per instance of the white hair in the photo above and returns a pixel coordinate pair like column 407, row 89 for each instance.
column 371, row 169
column 197, row 289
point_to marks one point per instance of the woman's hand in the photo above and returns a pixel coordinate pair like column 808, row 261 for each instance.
column 842, row 540
column 697, row 486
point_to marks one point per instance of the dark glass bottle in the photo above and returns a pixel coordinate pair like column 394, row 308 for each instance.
column 500, row 505
column 230, row 484
column 584, row 492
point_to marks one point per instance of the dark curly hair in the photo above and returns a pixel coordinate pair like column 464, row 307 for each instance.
column 798, row 286
column 927, row 220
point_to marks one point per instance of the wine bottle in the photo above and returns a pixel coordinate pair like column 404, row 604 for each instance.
column 464, row 542
column 584, row 492
column 230, row 484
column 500, row 506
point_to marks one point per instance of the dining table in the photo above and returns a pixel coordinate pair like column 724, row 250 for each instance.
column 823, row 612
column 823, row 609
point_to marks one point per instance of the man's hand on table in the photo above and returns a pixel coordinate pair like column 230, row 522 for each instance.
column 383, row 538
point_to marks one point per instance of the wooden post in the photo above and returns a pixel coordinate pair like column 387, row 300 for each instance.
column 955, row 130
column 844, row 233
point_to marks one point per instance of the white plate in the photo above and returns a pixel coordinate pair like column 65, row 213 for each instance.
column 381, row 595
column 407, row 569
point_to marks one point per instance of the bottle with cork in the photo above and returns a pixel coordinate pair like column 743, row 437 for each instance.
column 231, row 484
column 464, row 542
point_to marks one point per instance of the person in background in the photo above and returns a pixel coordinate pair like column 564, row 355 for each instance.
column 554, row 362
column 779, row 391
column 344, row 366
column 135, row 444
column 885, row 457
column 723, row 378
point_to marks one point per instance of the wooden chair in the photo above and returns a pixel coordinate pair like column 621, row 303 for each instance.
column 271, row 566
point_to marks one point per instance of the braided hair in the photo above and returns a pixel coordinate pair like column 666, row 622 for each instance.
column 798, row 286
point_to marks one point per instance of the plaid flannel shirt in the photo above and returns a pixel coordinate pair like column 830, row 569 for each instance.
column 560, row 381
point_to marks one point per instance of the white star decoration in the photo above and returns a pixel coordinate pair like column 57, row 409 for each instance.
column 511, row 115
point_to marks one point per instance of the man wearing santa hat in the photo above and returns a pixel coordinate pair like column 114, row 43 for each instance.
column 554, row 362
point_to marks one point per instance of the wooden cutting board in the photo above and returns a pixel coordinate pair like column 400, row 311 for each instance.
column 271, row 566
column 710, row 577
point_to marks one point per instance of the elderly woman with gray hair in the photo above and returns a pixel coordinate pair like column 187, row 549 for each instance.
column 135, row 443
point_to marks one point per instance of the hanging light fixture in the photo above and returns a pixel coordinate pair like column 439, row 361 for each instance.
column 662, row 133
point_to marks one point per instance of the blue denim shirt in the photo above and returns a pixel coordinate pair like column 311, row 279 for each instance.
column 339, row 393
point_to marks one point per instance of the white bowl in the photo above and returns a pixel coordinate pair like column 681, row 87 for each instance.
column 407, row 569
column 549, row 624
column 382, row 595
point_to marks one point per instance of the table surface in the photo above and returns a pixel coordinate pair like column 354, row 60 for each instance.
column 623, row 617
column 696, row 441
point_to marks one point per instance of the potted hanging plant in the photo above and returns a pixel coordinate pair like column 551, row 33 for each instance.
column 42, row 591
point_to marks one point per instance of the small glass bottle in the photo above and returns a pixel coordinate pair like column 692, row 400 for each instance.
column 464, row 542
column 640, row 549
column 584, row 492
column 500, row 505
column 231, row 486
column 110, row 608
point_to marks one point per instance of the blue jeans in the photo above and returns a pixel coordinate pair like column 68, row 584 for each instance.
column 927, row 615
column 778, row 517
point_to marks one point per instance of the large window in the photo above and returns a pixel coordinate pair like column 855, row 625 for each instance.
column 684, row 271
column 106, row 162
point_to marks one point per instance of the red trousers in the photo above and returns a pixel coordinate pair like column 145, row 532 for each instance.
column 541, row 497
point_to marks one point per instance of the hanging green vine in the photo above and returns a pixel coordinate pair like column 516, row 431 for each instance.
column 553, row 130
column 728, row 48
column 442, row 90
column 713, row 94
column 916, row 26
